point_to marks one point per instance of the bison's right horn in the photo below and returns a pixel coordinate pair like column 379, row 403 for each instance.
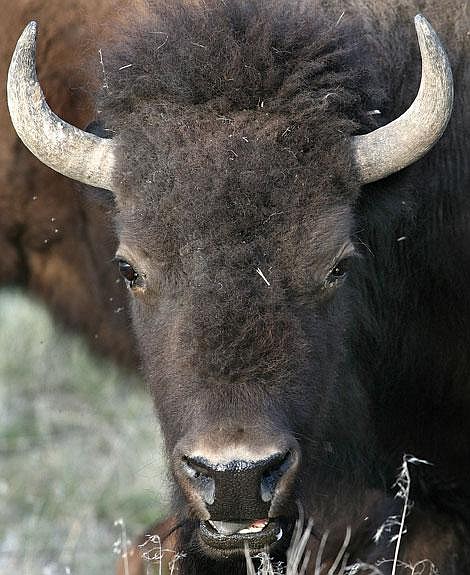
column 408, row 138
column 64, row 148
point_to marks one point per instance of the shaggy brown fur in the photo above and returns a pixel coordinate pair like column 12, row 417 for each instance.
column 236, row 118
column 53, row 241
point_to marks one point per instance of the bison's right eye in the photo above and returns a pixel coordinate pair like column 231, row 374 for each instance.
column 338, row 272
column 128, row 272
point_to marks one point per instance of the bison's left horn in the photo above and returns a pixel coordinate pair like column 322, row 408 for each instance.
column 414, row 133
column 66, row 149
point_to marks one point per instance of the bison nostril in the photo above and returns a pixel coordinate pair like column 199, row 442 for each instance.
column 198, row 474
column 278, row 466
column 238, row 489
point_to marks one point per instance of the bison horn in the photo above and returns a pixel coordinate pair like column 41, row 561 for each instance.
column 64, row 148
column 409, row 137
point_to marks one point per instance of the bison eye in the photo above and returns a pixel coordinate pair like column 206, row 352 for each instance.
column 128, row 272
column 337, row 272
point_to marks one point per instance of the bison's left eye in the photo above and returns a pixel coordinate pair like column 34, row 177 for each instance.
column 128, row 272
column 337, row 272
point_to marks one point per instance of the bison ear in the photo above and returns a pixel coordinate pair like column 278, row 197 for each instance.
column 409, row 137
column 80, row 155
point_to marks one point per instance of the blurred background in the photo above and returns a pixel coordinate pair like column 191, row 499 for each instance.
column 79, row 449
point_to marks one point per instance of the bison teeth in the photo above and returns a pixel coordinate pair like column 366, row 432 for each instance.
column 227, row 528
column 256, row 527
column 232, row 528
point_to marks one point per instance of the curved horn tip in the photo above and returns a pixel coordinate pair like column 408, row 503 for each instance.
column 29, row 33
column 422, row 22
column 64, row 148
column 32, row 26
column 25, row 47
column 424, row 30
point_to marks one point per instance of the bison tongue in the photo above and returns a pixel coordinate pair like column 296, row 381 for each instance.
column 230, row 528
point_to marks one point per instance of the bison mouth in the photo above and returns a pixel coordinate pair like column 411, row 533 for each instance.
column 232, row 537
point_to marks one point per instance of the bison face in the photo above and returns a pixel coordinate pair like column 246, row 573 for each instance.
column 235, row 223
column 236, row 254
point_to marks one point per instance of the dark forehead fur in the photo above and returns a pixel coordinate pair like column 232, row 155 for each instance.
column 235, row 55
column 232, row 112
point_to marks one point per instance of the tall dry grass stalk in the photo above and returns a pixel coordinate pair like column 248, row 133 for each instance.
column 394, row 527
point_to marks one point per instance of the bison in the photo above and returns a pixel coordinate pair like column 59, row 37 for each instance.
column 294, row 234
column 51, row 236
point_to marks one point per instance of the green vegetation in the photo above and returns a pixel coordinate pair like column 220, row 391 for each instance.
column 79, row 449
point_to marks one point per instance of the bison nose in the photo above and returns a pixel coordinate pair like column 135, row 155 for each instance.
column 239, row 488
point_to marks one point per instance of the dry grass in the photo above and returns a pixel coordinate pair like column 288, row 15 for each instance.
column 299, row 561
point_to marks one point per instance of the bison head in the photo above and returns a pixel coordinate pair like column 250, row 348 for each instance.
column 234, row 213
